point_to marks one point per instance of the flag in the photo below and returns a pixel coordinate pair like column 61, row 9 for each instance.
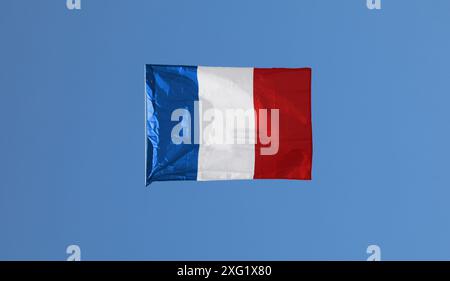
column 227, row 123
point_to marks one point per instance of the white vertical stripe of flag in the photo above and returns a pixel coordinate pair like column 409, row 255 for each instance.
column 223, row 88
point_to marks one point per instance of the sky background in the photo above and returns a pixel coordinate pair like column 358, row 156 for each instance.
column 72, row 131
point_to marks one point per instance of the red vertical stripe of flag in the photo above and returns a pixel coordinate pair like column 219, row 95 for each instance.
column 288, row 90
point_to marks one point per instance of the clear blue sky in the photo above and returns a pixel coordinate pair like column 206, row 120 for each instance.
column 72, row 131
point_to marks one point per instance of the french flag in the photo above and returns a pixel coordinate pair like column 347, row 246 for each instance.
column 227, row 123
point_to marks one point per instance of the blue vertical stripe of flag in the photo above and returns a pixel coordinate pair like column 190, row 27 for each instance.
column 169, row 88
